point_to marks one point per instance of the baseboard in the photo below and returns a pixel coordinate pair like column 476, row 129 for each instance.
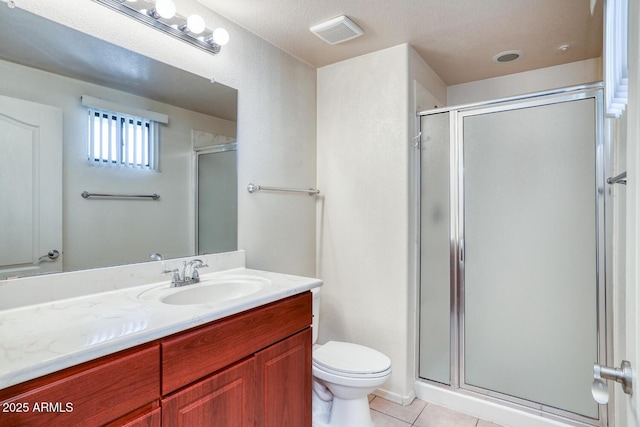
column 395, row 398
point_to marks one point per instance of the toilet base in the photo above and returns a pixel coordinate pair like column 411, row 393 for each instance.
column 347, row 413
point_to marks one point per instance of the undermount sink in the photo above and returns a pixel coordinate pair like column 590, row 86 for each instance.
column 215, row 290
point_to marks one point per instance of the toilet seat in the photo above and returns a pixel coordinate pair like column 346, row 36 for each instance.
column 351, row 360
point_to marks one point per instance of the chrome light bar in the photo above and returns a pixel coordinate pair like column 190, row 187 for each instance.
column 145, row 11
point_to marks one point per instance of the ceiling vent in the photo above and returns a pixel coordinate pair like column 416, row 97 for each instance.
column 337, row 30
column 508, row 56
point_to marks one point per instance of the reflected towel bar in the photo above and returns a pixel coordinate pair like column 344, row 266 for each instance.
column 618, row 179
column 86, row 195
column 251, row 188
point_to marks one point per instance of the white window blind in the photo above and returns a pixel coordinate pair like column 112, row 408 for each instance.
column 122, row 136
column 615, row 57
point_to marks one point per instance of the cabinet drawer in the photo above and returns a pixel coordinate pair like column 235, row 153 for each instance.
column 94, row 393
column 198, row 353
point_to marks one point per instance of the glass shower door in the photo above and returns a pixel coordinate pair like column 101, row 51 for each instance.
column 530, row 268
column 217, row 200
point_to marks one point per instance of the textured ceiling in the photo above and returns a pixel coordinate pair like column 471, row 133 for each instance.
column 457, row 38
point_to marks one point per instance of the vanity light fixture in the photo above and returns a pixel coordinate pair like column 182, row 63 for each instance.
column 161, row 14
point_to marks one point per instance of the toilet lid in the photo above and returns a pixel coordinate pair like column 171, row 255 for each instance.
column 350, row 358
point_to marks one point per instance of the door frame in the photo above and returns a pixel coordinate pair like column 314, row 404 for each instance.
column 197, row 152
column 628, row 407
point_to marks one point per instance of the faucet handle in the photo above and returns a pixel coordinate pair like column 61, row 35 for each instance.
column 175, row 278
column 173, row 270
column 195, row 276
column 197, row 263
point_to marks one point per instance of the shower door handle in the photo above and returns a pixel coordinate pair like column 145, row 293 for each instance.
column 622, row 375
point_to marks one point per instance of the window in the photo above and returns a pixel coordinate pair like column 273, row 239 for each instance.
column 118, row 136
column 615, row 57
column 121, row 140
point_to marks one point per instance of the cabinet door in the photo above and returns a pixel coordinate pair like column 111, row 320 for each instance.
column 225, row 399
column 146, row 417
column 284, row 383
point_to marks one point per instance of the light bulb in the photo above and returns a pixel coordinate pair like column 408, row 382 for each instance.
column 195, row 24
column 220, row 36
column 165, row 8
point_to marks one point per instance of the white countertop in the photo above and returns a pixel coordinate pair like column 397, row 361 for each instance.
column 42, row 338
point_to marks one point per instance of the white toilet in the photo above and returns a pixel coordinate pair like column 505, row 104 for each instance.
column 343, row 376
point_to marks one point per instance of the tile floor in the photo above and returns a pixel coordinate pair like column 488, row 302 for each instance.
column 419, row 414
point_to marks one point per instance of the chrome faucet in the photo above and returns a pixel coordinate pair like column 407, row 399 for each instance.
column 189, row 274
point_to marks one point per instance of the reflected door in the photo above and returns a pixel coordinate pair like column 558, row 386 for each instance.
column 30, row 188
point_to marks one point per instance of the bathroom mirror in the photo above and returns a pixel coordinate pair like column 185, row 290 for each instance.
column 43, row 62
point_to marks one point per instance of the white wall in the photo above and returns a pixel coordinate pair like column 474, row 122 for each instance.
column 571, row 74
column 136, row 228
column 276, row 121
column 431, row 92
column 365, row 124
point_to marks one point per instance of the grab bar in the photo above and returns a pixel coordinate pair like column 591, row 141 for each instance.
column 618, row 179
column 251, row 188
column 86, row 195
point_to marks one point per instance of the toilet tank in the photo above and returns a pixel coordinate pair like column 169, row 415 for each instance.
column 316, row 313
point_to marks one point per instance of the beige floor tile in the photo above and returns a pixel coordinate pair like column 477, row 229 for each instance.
column 438, row 416
column 382, row 420
column 405, row 413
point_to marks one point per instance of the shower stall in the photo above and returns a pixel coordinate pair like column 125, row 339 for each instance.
column 513, row 252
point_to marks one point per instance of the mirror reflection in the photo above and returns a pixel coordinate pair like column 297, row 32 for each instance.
column 49, row 126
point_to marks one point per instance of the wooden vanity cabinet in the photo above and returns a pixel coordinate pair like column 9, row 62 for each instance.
column 270, row 386
column 92, row 394
column 148, row 416
column 269, row 389
column 225, row 399
column 249, row 369
column 283, row 383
